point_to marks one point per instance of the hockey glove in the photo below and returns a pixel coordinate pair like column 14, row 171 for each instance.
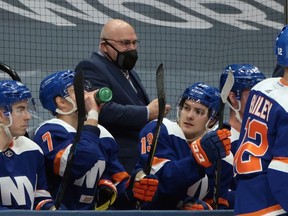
column 106, row 194
column 222, row 203
column 212, row 146
column 141, row 187
column 193, row 204
column 47, row 204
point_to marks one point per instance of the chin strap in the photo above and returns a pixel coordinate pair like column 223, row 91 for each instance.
column 69, row 112
column 178, row 113
column 6, row 127
column 237, row 113
column 207, row 128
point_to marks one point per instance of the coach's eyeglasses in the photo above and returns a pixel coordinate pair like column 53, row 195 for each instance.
column 125, row 43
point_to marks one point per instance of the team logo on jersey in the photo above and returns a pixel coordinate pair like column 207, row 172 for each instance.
column 17, row 189
column 8, row 153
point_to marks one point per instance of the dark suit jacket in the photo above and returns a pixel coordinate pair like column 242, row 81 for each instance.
column 126, row 114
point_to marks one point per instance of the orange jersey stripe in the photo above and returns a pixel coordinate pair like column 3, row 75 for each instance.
column 57, row 162
column 118, row 177
column 270, row 209
column 157, row 161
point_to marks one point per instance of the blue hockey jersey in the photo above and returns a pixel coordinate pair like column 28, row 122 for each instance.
column 22, row 176
column 178, row 172
column 95, row 158
column 261, row 161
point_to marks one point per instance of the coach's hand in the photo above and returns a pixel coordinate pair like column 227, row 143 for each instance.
column 141, row 187
column 212, row 146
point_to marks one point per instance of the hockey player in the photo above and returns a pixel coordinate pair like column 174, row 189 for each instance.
column 184, row 151
column 245, row 77
column 261, row 158
column 96, row 173
column 22, row 174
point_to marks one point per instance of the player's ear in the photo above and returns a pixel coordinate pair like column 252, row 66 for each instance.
column 232, row 99
column 2, row 116
column 212, row 123
column 60, row 102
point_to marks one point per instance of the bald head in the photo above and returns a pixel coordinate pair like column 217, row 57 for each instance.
column 117, row 29
column 118, row 36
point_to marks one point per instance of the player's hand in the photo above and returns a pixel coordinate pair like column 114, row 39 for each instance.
column 47, row 204
column 106, row 194
column 193, row 204
column 212, row 146
column 141, row 187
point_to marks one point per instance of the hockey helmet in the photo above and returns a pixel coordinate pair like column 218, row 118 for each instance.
column 245, row 77
column 204, row 94
column 12, row 91
column 55, row 85
column 281, row 47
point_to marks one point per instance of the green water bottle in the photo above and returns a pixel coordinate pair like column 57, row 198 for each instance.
column 103, row 95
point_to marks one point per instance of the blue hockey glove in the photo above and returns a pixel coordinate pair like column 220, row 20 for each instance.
column 141, row 187
column 106, row 194
column 212, row 146
column 193, row 204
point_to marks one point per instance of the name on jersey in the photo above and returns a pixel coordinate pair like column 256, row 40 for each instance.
column 260, row 107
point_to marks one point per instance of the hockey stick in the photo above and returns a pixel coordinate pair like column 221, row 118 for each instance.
column 79, row 95
column 161, row 113
column 224, row 96
column 11, row 72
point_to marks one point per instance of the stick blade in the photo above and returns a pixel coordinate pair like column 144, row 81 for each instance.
column 161, row 90
column 224, row 97
column 11, row 72
column 227, row 86
column 161, row 112
column 78, row 83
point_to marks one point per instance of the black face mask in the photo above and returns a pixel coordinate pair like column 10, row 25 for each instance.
column 125, row 60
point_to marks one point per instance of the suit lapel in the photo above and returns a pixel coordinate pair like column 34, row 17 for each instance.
column 126, row 86
column 140, row 88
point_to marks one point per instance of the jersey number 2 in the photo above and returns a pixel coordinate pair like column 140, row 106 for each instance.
column 256, row 133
